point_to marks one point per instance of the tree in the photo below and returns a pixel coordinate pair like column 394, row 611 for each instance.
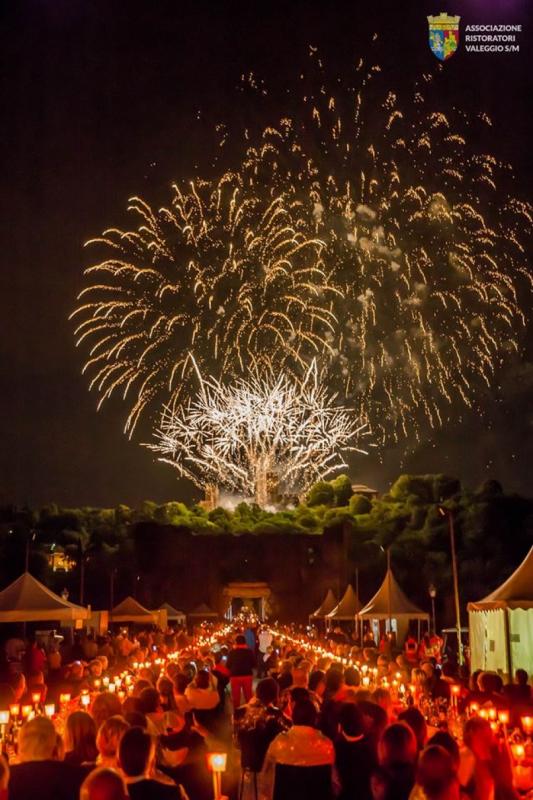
column 320, row 493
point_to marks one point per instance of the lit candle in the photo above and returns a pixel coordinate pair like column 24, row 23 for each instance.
column 36, row 698
column 64, row 698
column 527, row 724
column 49, row 709
column 97, row 683
column 85, row 699
column 14, row 709
column 111, row 688
column 4, row 717
column 26, row 711
column 106, row 681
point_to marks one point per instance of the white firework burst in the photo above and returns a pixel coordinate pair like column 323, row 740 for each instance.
column 258, row 435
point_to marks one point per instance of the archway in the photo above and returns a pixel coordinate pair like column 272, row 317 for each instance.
column 246, row 595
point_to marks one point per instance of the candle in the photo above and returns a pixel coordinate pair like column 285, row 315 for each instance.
column 4, row 717
column 14, row 709
column 106, row 681
column 366, row 681
column 527, row 724
column 85, row 699
column 49, row 709
column 97, row 683
column 111, row 688
column 64, row 698
column 492, row 713
column 36, row 698
column 26, row 711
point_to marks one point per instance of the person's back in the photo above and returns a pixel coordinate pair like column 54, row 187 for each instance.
column 137, row 761
column 355, row 755
column 40, row 775
column 103, row 784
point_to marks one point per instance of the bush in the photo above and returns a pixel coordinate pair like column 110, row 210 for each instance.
column 359, row 504
column 342, row 488
column 321, row 493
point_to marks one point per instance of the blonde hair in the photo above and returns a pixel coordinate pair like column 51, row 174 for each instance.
column 38, row 740
column 109, row 735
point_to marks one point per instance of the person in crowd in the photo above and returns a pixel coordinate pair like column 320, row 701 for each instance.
column 259, row 722
column 355, row 754
column 105, row 705
column 416, row 721
column 397, row 754
column 201, row 694
column 107, row 741
column 436, row 775
column 241, row 663
column 491, row 772
column 80, row 740
column 41, row 774
column 302, row 745
column 519, row 691
column 181, row 681
column 103, row 784
column 137, row 761
column 4, row 778
column 317, row 684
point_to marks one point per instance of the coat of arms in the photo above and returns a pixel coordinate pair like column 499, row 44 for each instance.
column 443, row 35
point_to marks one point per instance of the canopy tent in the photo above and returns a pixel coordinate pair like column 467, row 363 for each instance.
column 28, row 600
column 348, row 608
column 203, row 612
column 390, row 602
column 173, row 614
column 130, row 610
column 328, row 604
column 505, row 615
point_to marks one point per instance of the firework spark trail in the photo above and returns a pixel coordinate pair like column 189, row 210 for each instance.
column 244, row 435
column 369, row 234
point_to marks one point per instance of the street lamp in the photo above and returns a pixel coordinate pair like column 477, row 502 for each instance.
column 433, row 593
column 446, row 512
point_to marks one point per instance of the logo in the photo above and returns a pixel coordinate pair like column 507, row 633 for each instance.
column 443, row 35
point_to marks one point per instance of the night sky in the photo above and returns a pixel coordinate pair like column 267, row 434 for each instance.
column 100, row 101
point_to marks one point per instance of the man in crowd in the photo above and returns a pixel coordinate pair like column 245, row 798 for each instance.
column 40, row 774
column 240, row 664
column 137, row 761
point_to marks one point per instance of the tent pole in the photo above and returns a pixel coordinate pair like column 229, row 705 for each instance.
column 388, row 592
column 508, row 651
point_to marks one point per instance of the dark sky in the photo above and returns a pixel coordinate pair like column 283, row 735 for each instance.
column 99, row 101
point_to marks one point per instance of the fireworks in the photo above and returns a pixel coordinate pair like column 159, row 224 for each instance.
column 258, row 436
column 223, row 272
column 358, row 230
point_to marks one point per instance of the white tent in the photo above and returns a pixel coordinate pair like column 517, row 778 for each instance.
column 130, row 610
column 390, row 602
column 327, row 605
column 501, row 625
column 347, row 608
column 28, row 600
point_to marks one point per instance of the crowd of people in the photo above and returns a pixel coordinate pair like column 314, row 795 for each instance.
column 294, row 715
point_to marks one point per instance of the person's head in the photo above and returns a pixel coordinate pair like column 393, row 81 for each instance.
column 136, row 753
column 416, row 721
column 103, row 784
column 240, row 640
column 109, row 735
column 446, row 740
column 374, row 717
column 95, row 668
column 304, row 713
column 382, row 698
column 202, row 679
column 105, row 705
column 181, row 681
column 427, row 668
column 267, row 691
column 300, row 675
column 150, row 701
column 164, row 686
column 436, row 774
column 317, row 682
column 397, row 745
column 18, row 684
column 352, row 676
column 38, row 740
column 334, row 680
column 489, row 682
column 478, row 736
column 521, row 677
column 351, row 720
column 80, row 736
